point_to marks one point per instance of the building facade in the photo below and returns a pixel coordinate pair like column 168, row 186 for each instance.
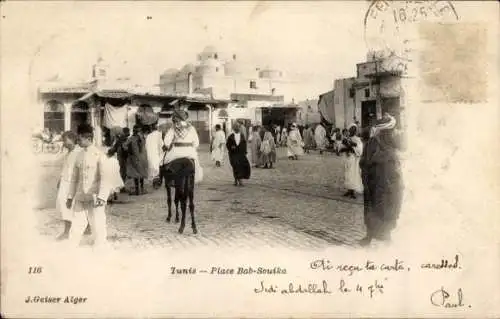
column 259, row 96
column 221, row 77
column 64, row 106
column 308, row 112
column 375, row 90
column 378, row 88
column 344, row 102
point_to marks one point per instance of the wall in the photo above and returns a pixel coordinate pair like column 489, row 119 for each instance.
column 360, row 97
column 223, row 85
column 390, row 86
column 344, row 104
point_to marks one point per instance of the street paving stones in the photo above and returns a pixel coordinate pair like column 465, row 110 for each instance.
column 297, row 204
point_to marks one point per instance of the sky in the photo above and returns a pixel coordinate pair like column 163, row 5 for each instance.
column 319, row 41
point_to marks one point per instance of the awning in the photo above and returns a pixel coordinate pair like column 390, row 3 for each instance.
column 114, row 94
column 326, row 107
column 106, row 94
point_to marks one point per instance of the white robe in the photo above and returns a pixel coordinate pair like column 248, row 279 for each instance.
column 154, row 153
column 218, row 146
column 352, row 170
column 184, row 151
column 111, row 172
column 64, row 184
column 320, row 137
column 294, row 144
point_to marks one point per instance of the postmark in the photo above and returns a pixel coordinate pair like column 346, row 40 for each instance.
column 391, row 27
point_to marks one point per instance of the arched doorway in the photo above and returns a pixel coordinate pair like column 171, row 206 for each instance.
column 53, row 116
column 80, row 114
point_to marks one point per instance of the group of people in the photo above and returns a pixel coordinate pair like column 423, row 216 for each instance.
column 372, row 168
column 90, row 176
column 264, row 144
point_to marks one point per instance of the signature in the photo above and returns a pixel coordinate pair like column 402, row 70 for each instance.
column 444, row 299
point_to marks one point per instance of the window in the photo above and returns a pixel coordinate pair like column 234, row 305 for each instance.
column 367, row 92
column 217, row 69
column 253, row 85
column 216, row 56
column 352, row 93
column 54, row 116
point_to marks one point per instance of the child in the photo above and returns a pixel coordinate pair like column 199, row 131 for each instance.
column 88, row 190
column 69, row 141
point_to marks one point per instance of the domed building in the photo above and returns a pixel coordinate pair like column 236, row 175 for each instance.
column 188, row 68
column 248, row 86
column 209, row 66
column 209, row 52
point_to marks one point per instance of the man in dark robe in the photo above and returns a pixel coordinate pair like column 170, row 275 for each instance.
column 382, row 181
column 118, row 149
column 237, row 149
column 137, row 162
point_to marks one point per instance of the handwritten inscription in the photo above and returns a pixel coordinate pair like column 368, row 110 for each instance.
column 443, row 264
column 442, row 298
column 323, row 288
column 438, row 298
column 326, row 265
column 294, row 288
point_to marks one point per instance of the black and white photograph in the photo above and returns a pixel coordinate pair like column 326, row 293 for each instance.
column 301, row 159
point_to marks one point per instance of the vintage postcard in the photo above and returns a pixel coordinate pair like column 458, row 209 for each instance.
column 270, row 159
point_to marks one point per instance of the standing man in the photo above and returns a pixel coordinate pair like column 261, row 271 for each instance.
column 63, row 186
column 154, row 144
column 353, row 148
column 382, row 181
column 218, row 145
column 89, row 190
column 237, row 148
column 320, row 138
column 294, row 143
column 137, row 161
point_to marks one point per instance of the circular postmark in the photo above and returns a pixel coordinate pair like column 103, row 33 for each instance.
column 390, row 27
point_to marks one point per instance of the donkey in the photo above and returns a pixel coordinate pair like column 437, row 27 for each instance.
column 180, row 174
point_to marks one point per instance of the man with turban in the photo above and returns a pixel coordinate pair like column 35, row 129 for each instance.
column 182, row 141
column 237, row 149
column 382, row 181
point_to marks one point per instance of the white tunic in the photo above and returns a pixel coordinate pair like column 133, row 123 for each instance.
column 183, row 151
column 218, row 146
column 111, row 172
column 320, row 137
column 237, row 138
column 352, row 170
column 65, row 180
column 154, row 153
column 295, row 143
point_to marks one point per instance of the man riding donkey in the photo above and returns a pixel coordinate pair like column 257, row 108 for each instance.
column 180, row 164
